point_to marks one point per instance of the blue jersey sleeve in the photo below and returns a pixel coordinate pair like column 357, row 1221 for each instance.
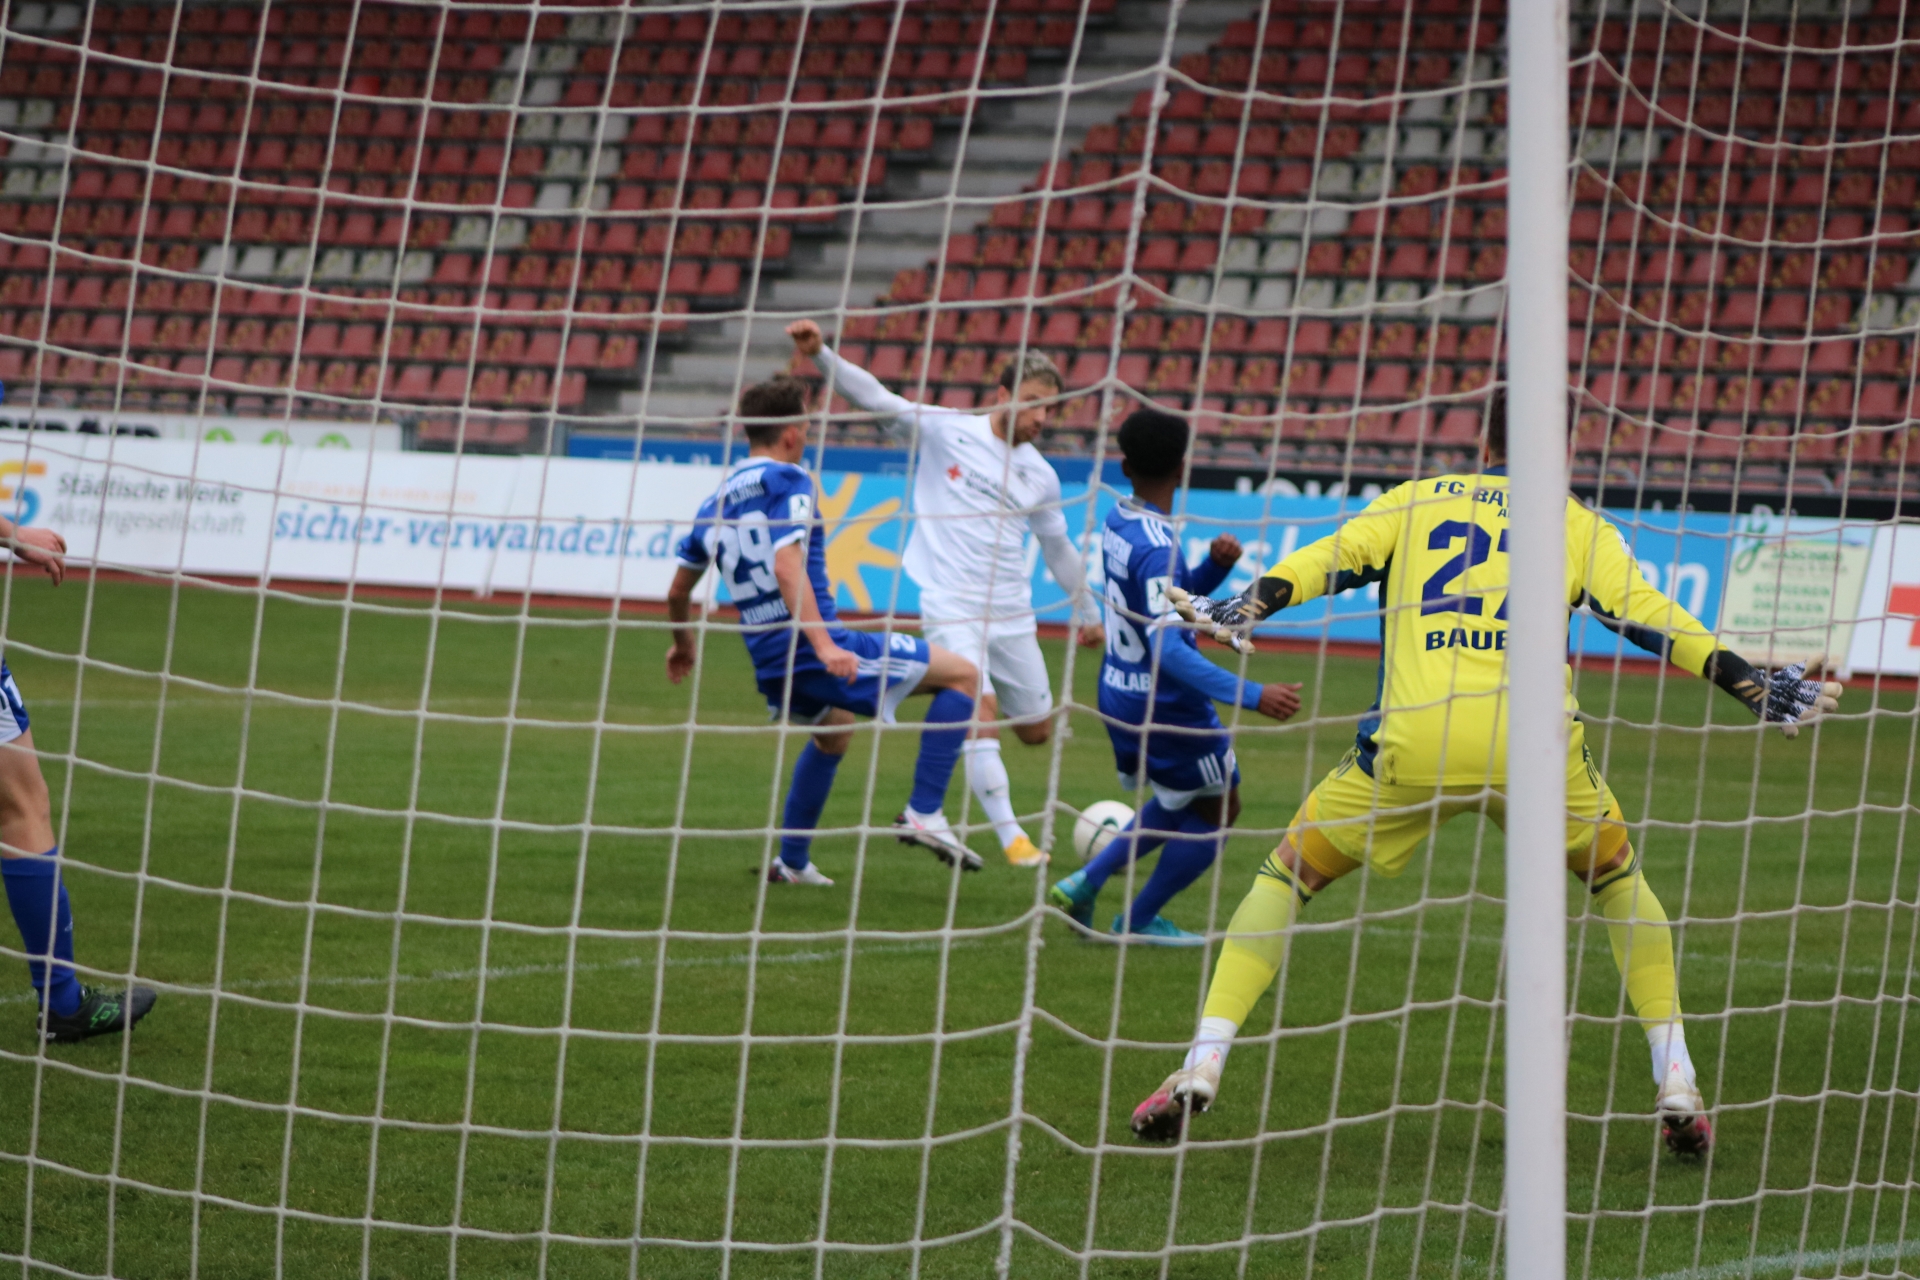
column 1182, row 662
column 789, row 506
column 692, row 549
column 1150, row 568
column 1204, row 576
column 1180, row 659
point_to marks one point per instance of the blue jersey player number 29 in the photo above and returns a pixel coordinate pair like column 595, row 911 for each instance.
column 759, row 530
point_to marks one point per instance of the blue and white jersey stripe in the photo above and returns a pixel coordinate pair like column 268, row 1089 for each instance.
column 1140, row 560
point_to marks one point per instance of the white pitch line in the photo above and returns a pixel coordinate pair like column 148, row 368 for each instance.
column 822, row 957
column 1813, row 1260
column 535, row 970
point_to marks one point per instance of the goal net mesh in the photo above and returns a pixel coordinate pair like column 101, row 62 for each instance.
column 457, row 908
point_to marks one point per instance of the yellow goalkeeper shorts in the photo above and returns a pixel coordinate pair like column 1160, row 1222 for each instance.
column 1350, row 818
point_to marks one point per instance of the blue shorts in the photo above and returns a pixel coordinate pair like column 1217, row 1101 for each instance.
column 13, row 714
column 1181, row 764
column 891, row 667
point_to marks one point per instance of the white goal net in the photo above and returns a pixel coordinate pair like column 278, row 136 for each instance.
column 373, row 359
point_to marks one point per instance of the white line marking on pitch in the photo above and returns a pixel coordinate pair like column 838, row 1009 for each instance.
column 1812, row 1260
column 494, row 973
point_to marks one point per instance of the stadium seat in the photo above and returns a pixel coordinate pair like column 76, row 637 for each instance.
column 1644, row 229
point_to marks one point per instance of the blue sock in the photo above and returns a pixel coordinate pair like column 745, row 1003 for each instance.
column 1183, row 861
column 1133, row 842
column 39, row 903
column 940, row 749
column 812, row 781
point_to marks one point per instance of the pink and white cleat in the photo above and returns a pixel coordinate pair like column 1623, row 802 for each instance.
column 1187, row 1092
column 1683, row 1116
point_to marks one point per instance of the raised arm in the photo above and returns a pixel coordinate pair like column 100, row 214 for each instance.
column 895, row 414
column 1204, row 577
column 1609, row 583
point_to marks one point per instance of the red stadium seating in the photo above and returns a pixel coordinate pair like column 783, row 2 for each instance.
column 345, row 202
column 1719, row 288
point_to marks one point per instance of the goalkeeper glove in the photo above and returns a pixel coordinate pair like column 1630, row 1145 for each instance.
column 1785, row 697
column 1229, row 621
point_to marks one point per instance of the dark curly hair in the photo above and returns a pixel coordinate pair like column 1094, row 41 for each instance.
column 767, row 408
column 1154, row 443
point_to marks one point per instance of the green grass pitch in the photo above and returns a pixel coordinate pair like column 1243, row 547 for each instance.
column 293, row 1127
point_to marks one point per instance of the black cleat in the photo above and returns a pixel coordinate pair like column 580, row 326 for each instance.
column 101, row 1013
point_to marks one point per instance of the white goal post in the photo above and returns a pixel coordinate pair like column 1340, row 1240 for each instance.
column 1536, row 928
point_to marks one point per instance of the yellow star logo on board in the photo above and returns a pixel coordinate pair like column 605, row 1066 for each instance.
column 850, row 546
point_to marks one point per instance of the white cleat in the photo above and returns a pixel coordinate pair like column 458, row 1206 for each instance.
column 935, row 834
column 781, row 873
column 1683, row 1115
column 1187, row 1092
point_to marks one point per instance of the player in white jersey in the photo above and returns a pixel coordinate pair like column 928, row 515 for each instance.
column 979, row 486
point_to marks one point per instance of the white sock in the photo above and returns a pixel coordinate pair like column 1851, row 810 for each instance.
column 1213, row 1040
column 987, row 775
column 1668, row 1042
column 938, row 818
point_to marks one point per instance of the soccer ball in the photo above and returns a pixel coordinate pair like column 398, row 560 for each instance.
column 1097, row 824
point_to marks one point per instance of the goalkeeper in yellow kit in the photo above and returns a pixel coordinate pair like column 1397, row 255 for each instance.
column 1433, row 746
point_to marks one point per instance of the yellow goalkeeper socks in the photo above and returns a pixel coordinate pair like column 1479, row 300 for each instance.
column 1256, row 940
column 1642, row 944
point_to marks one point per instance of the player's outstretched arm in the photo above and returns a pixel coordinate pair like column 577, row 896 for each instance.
column 1621, row 599
column 1187, row 667
column 862, row 389
column 1357, row 553
column 41, row 547
column 790, row 571
column 1784, row 697
column 1230, row 620
column 1204, row 576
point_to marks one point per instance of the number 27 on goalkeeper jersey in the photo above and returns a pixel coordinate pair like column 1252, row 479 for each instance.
column 1438, row 547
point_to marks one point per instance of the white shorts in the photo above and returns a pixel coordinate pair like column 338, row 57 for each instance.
column 1011, row 667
